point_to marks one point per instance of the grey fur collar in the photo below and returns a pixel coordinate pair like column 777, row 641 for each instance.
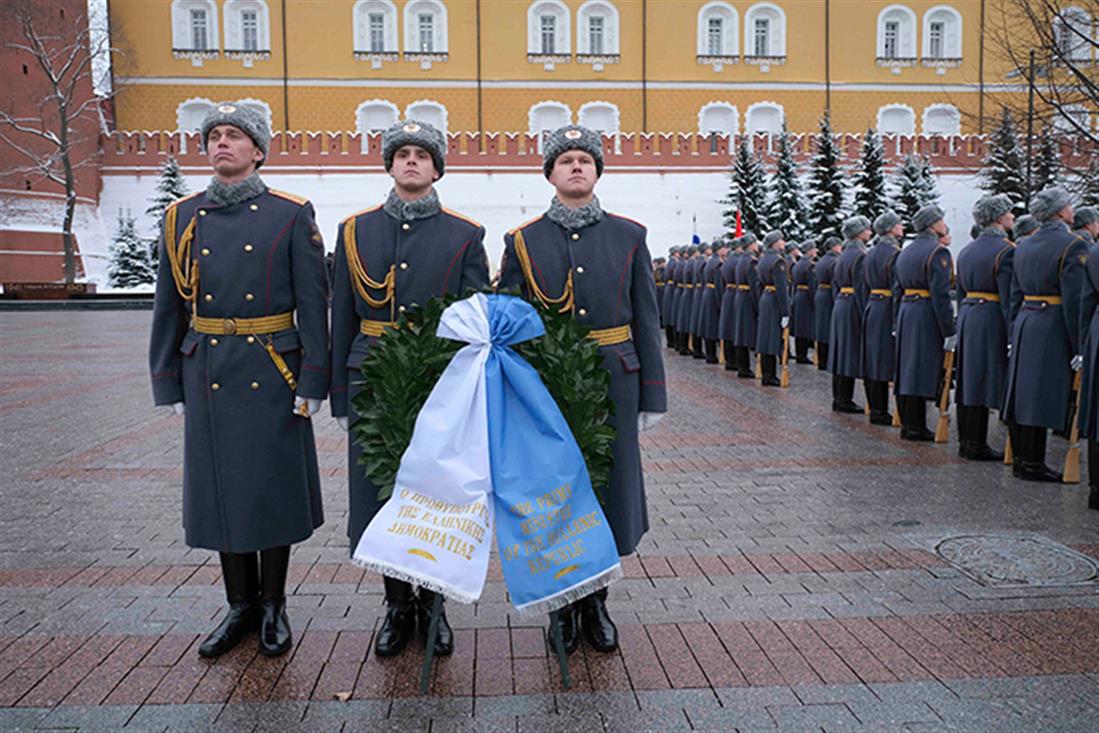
column 586, row 215
column 993, row 231
column 1055, row 224
column 421, row 208
column 858, row 243
column 888, row 241
column 230, row 194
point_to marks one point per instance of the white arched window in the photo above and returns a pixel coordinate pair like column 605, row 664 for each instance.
column 717, row 30
column 375, row 115
column 195, row 29
column 764, row 31
column 597, row 29
column 428, row 111
column 247, row 27
column 545, row 117
column 190, row 114
column 896, row 119
column 1073, row 33
column 896, row 34
column 720, row 117
column 764, row 118
column 942, row 33
column 942, row 119
column 375, row 27
column 600, row 116
column 548, row 28
column 425, row 27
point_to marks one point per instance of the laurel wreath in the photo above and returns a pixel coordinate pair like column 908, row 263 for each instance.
column 405, row 363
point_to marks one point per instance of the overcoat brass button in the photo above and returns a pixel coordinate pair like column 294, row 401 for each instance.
column 404, row 265
column 580, row 269
column 406, row 226
column 215, row 386
column 401, row 309
column 254, row 207
column 205, row 251
column 575, row 236
column 202, row 212
column 255, row 385
column 583, row 311
column 251, row 339
column 214, row 342
column 208, row 297
column 249, row 296
column 248, row 248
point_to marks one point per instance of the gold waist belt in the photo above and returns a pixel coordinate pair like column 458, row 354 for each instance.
column 769, row 288
column 680, row 285
column 881, row 291
column 659, row 283
column 243, row 326
column 824, row 286
column 610, row 336
column 847, row 291
column 917, row 292
column 730, row 286
column 368, row 327
column 1049, row 299
column 711, row 285
column 803, row 287
column 743, row 287
column 994, row 297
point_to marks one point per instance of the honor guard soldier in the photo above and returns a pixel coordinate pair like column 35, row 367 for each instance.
column 877, row 332
column 391, row 258
column 746, row 313
column 728, row 304
column 774, row 306
column 1025, row 225
column 710, row 310
column 578, row 257
column 239, row 347
column 924, row 318
column 824, row 298
column 660, row 269
column 1086, row 224
column 845, row 334
column 667, row 301
column 682, row 305
column 1045, row 334
column 1089, row 337
column 699, row 275
column 985, row 271
column 805, row 289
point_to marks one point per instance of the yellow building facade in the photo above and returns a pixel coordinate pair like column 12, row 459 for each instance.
column 516, row 66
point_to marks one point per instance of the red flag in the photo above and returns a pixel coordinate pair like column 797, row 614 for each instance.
column 739, row 228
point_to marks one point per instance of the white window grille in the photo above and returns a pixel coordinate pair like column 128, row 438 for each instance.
column 199, row 27
column 714, row 37
column 249, row 30
column 595, row 35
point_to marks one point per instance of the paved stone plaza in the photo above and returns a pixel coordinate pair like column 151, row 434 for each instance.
column 790, row 580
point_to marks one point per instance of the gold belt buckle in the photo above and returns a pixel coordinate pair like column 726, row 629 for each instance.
column 229, row 325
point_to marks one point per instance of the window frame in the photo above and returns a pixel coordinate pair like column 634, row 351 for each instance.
column 413, row 10
column 906, row 42
column 610, row 35
column 536, row 53
column 360, row 19
column 777, row 25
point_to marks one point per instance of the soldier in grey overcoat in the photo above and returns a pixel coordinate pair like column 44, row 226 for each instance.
column 239, row 347
column 1025, row 225
column 824, row 298
column 924, row 316
column 667, row 295
column 1089, row 385
column 774, row 306
column 1085, row 222
column 699, row 275
column 392, row 257
column 660, row 271
column 877, row 333
column 1045, row 333
column 801, row 304
column 746, row 308
column 685, row 287
column 606, row 259
column 728, row 303
column 710, row 310
column 845, row 333
column 985, row 271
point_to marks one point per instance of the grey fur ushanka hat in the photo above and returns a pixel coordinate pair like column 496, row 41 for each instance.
column 854, row 226
column 990, row 208
column 1025, row 225
column 926, row 217
column 1084, row 215
column 886, row 221
column 1045, row 204
column 418, row 133
column 572, row 137
column 244, row 118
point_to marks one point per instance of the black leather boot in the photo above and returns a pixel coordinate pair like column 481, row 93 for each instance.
column 567, row 622
column 400, row 619
column 274, row 631
column 801, row 350
column 444, row 636
column 710, row 347
column 822, row 355
column 241, row 575
column 744, row 363
column 914, row 419
column 729, row 351
column 599, row 630
column 1032, row 465
column 877, row 394
column 769, row 368
column 696, row 347
column 682, row 343
column 977, row 435
column 843, row 390
column 669, row 336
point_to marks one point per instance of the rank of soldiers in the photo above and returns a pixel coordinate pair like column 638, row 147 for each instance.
column 1013, row 326
column 241, row 348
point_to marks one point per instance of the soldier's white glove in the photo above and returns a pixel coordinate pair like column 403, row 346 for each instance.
column 306, row 406
column 1077, row 363
column 342, row 422
column 1009, row 349
column 950, row 343
column 785, row 321
column 177, row 408
column 646, row 420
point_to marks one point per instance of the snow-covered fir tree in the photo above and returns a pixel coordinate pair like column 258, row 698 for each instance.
column 826, row 185
column 129, row 265
column 1089, row 190
column 1046, row 165
column 915, row 187
column 1003, row 170
column 747, row 192
column 170, row 187
column 787, row 210
column 871, row 198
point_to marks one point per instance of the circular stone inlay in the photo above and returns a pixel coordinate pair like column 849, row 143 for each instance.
column 1005, row 560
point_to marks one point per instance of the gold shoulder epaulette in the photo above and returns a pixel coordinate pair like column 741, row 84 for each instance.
column 367, row 210
column 524, row 224
column 180, row 200
column 288, row 196
column 463, row 217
